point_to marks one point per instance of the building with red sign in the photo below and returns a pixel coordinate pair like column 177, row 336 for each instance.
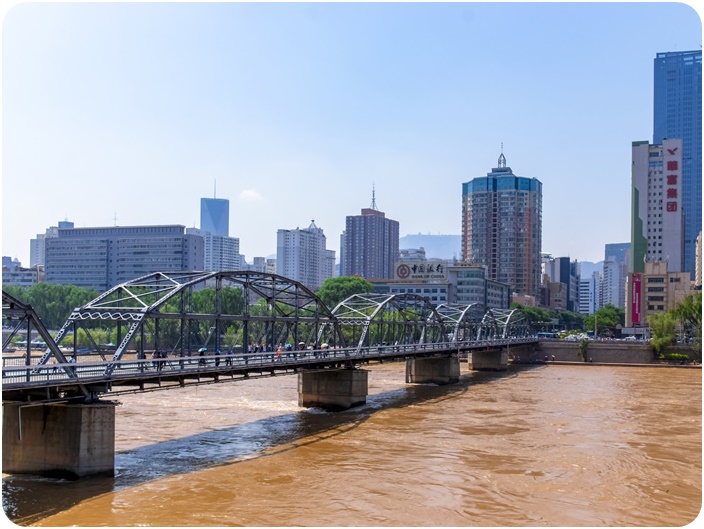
column 657, row 223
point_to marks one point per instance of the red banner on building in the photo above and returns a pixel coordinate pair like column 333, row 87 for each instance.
column 635, row 299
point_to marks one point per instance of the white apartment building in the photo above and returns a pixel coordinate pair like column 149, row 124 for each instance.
column 614, row 284
column 219, row 252
column 301, row 255
column 590, row 293
column 657, row 224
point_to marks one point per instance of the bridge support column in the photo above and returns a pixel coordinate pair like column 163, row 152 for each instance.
column 432, row 370
column 332, row 389
column 492, row 360
column 62, row 440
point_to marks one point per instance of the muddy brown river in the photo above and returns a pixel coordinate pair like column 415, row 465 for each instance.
column 553, row 445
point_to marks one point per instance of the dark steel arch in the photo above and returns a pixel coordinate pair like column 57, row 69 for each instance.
column 504, row 323
column 22, row 316
column 372, row 319
column 462, row 322
column 169, row 313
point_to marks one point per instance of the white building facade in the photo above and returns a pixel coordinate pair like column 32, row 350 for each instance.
column 590, row 293
column 301, row 255
column 219, row 252
column 614, row 284
column 657, row 224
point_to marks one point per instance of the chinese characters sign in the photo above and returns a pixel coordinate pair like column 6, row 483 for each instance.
column 420, row 271
column 673, row 178
column 635, row 299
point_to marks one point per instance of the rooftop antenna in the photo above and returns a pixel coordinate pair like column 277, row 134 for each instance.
column 502, row 158
column 115, row 218
column 215, row 188
column 373, row 206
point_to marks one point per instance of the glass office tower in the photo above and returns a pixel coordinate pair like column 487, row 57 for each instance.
column 215, row 216
column 677, row 114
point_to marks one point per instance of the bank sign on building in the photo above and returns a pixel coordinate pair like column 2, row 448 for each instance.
column 420, row 271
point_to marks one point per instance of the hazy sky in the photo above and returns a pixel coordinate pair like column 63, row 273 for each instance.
column 129, row 113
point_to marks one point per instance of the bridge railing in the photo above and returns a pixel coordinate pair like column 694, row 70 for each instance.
column 19, row 375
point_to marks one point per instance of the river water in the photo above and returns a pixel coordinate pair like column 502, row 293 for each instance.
column 544, row 445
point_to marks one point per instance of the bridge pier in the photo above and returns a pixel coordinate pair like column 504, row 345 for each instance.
column 332, row 389
column 59, row 440
column 432, row 370
column 491, row 360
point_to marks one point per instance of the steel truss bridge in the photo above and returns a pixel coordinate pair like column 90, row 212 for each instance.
column 203, row 327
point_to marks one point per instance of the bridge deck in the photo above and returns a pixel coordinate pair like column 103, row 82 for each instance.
column 56, row 380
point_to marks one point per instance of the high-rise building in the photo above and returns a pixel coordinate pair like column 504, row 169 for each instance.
column 370, row 244
column 617, row 258
column 619, row 252
column 101, row 258
column 37, row 247
column 301, row 255
column 501, row 227
column 677, row 114
column 215, row 216
column 219, row 252
column 657, row 220
column 589, row 293
column 561, row 270
column 614, row 284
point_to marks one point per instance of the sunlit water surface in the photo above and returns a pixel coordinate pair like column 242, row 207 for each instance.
column 535, row 446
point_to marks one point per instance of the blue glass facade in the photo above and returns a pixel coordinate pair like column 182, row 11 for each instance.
column 502, row 226
column 215, row 216
column 677, row 113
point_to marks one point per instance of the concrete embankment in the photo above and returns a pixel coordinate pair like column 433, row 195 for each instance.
column 601, row 353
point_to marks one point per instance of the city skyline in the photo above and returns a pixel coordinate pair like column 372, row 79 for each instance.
column 300, row 110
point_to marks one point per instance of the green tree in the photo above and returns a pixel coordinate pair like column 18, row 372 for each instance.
column 689, row 313
column 605, row 320
column 540, row 319
column 52, row 303
column 570, row 320
column 336, row 289
column 662, row 331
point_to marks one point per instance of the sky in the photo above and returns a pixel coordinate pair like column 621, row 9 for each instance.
column 128, row 113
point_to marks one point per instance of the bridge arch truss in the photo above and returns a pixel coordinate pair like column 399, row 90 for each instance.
column 376, row 319
column 181, row 313
column 461, row 322
column 504, row 323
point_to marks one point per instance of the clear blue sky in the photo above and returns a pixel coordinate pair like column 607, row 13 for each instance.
column 133, row 111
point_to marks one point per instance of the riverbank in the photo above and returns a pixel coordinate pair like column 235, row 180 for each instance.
column 610, row 364
column 603, row 353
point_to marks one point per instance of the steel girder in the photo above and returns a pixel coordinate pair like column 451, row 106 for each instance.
column 20, row 315
column 396, row 318
column 158, row 304
column 503, row 323
column 462, row 322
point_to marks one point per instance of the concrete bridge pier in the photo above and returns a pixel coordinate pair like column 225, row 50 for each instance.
column 59, row 440
column 432, row 370
column 332, row 389
column 491, row 360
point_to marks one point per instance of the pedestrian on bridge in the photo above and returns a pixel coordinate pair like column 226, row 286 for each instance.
column 217, row 357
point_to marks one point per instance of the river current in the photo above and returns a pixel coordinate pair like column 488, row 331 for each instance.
column 541, row 445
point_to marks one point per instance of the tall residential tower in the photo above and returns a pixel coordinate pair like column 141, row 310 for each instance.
column 501, row 227
column 301, row 255
column 369, row 244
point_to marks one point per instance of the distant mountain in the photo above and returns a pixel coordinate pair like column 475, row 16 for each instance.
column 436, row 246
